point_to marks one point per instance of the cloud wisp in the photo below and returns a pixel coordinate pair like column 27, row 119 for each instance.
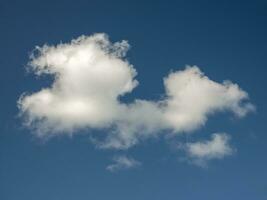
column 201, row 152
column 91, row 74
column 123, row 162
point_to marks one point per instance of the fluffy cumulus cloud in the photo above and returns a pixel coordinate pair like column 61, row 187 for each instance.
column 202, row 151
column 123, row 162
column 91, row 74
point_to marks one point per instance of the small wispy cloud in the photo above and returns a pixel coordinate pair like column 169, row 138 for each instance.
column 201, row 152
column 123, row 162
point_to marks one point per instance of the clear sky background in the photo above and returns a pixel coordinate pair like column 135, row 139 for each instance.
column 226, row 39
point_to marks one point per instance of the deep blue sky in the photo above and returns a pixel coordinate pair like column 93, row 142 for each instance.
column 226, row 39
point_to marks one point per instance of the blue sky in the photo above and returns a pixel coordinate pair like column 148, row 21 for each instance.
column 225, row 39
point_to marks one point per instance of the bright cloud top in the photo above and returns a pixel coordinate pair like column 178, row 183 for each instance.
column 91, row 74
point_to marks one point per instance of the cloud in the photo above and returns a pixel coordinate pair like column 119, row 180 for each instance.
column 91, row 74
column 216, row 148
column 123, row 162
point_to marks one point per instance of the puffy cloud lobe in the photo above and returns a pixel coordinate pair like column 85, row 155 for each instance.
column 191, row 96
column 89, row 77
column 123, row 162
column 90, row 74
column 216, row 148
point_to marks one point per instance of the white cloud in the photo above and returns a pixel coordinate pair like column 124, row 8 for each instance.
column 192, row 96
column 89, row 77
column 90, row 74
column 216, row 148
column 123, row 162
